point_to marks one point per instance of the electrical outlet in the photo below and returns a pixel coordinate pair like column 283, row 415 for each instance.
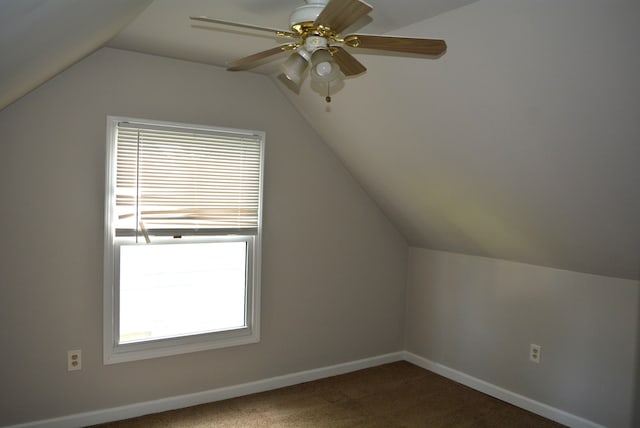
column 74, row 360
column 535, row 352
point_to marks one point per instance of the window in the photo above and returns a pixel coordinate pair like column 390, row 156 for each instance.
column 182, row 238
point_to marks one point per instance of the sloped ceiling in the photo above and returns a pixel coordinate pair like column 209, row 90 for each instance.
column 40, row 38
column 522, row 142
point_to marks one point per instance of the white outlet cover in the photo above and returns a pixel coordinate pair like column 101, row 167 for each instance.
column 74, row 360
column 535, row 352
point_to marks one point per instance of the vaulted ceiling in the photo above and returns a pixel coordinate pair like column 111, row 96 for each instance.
column 521, row 142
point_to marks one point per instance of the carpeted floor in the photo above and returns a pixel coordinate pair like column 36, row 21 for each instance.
column 392, row 395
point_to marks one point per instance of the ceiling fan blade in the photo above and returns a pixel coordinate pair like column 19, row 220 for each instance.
column 348, row 64
column 339, row 14
column 397, row 44
column 252, row 60
column 277, row 32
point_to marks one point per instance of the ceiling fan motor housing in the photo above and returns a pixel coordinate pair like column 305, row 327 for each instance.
column 307, row 13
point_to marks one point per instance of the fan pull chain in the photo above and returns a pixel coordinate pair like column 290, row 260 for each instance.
column 328, row 97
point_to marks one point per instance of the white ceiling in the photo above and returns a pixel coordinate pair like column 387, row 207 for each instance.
column 40, row 38
column 522, row 142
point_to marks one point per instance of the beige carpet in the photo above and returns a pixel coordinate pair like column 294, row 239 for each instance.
column 392, row 395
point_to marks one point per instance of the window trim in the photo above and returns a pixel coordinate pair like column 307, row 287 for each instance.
column 113, row 352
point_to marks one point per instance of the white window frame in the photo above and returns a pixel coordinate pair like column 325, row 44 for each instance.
column 114, row 352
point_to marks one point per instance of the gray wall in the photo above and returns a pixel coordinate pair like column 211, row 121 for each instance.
column 334, row 268
column 479, row 315
column 636, row 413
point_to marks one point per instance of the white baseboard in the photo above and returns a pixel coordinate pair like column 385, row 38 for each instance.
column 177, row 402
column 172, row 403
column 518, row 400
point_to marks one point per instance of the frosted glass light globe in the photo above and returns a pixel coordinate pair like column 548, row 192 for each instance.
column 324, row 68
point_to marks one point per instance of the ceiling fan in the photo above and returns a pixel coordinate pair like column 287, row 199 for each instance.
column 315, row 28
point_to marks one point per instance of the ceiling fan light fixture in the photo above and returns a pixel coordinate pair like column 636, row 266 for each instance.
column 316, row 28
column 323, row 67
column 294, row 67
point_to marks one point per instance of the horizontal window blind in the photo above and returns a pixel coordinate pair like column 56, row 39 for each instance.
column 181, row 181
